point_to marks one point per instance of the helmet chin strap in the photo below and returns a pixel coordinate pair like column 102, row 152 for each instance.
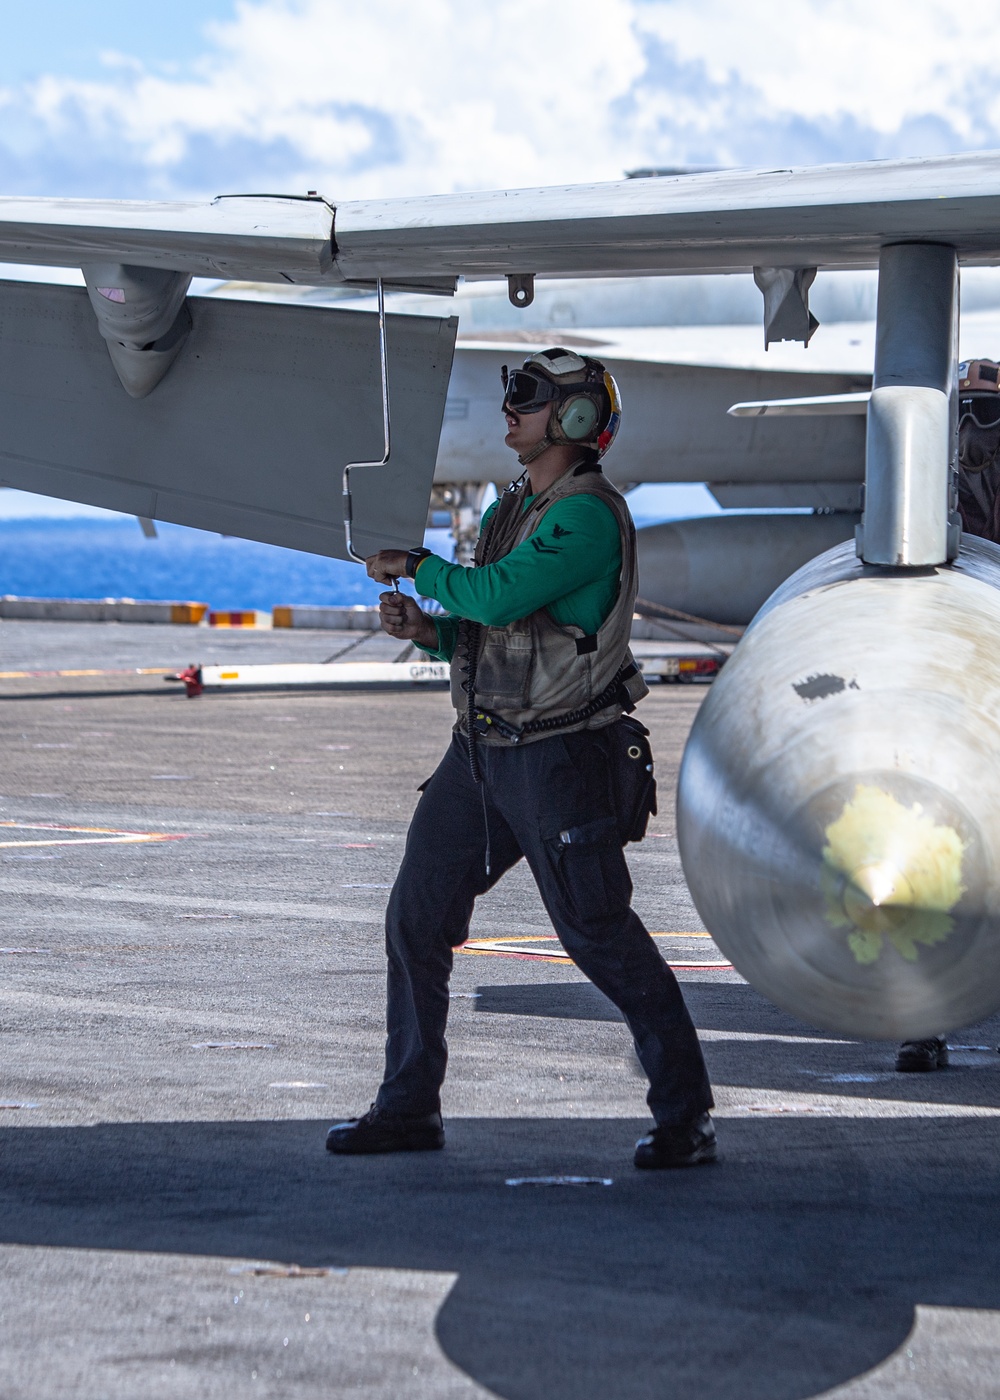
column 526, row 458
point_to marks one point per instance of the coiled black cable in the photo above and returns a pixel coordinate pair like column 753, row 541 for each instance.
column 471, row 637
column 472, row 633
column 607, row 697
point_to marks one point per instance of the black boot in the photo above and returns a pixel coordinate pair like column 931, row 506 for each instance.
column 915, row 1055
column 378, row 1131
column 686, row 1145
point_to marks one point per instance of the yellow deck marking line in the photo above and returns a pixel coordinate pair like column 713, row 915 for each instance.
column 86, row 835
column 130, row 671
column 510, row 948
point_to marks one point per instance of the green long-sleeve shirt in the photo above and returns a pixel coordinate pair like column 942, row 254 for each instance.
column 571, row 565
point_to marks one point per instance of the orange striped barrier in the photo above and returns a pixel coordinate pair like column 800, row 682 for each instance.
column 239, row 617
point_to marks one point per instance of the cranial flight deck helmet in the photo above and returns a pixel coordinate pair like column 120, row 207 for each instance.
column 585, row 403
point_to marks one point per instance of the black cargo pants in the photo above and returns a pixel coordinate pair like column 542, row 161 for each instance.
column 549, row 801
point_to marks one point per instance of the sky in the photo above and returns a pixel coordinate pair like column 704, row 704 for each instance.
column 119, row 99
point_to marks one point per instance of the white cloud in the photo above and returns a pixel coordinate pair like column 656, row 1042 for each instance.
column 878, row 62
column 396, row 98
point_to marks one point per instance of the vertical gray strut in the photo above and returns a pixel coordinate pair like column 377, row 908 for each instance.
column 383, row 364
column 913, row 412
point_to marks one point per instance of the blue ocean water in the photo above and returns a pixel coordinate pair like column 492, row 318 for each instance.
column 106, row 556
column 81, row 558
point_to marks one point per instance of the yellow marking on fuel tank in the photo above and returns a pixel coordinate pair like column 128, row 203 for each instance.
column 890, row 871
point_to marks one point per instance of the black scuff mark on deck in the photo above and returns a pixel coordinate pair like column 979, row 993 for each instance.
column 822, row 686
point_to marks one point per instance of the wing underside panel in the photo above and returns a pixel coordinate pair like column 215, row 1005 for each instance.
column 249, row 432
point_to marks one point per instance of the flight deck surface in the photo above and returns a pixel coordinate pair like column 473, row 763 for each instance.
column 192, row 983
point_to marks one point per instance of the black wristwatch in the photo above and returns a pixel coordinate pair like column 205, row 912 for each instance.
column 413, row 558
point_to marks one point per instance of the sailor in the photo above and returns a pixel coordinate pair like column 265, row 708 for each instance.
column 544, row 764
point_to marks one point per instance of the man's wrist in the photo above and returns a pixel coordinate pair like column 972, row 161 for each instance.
column 429, row 639
column 413, row 558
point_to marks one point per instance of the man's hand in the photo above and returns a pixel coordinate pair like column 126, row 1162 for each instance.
column 387, row 565
column 400, row 617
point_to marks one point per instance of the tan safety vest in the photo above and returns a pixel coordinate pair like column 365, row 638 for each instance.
column 534, row 668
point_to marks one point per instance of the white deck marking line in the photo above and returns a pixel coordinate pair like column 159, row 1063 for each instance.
column 770, row 1101
column 62, row 826
column 328, row 913
column 762, row 1037
column 182, row 1020
column 91, row 841
column 559, row 1181
column 84, row 835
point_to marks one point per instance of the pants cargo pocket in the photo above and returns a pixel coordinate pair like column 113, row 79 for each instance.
column 590, row 872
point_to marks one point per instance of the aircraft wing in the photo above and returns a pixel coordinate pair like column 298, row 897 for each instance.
column 280, row 239
column 677, row 385
column 826, row 216
column 844, row 348
column 249, row 432
column 260, row 406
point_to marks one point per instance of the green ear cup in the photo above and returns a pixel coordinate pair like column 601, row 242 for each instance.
column 578, row 418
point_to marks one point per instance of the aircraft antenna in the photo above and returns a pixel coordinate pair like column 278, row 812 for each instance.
column 351, row 466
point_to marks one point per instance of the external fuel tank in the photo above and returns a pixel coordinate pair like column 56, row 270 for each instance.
column 839, row 798
column 724, row 567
